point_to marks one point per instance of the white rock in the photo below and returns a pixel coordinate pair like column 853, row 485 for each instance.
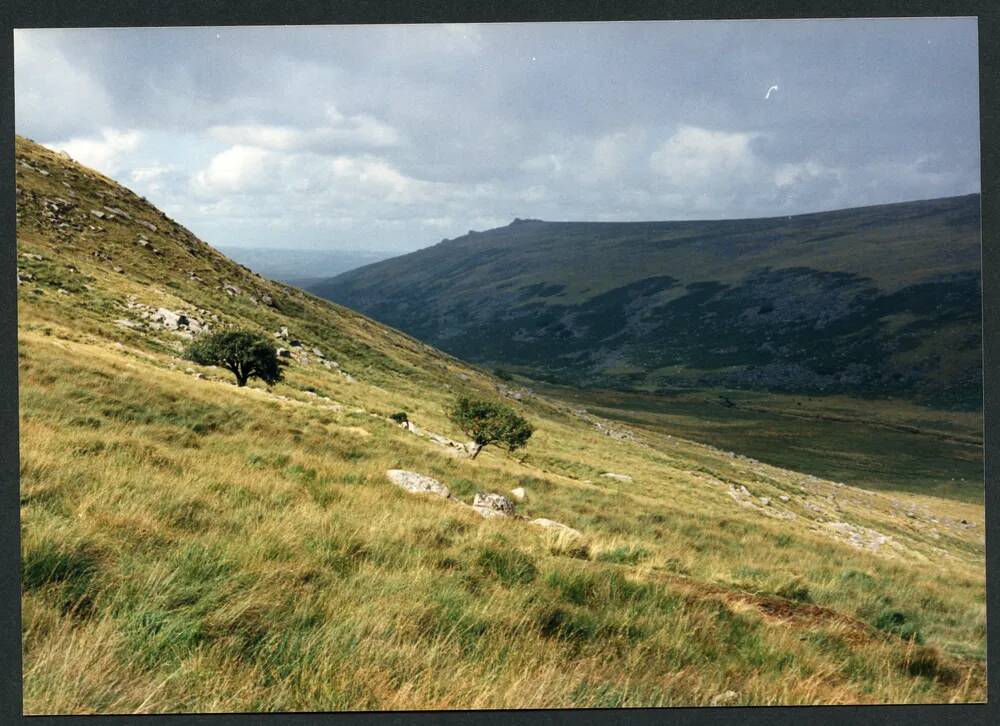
column 550, row 524
column 617, row 477
column 518, row 494
column 417, row 483
column 726, row 698
column 493, row 505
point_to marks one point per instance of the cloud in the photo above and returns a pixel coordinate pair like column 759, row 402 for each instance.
column 341, row 132
column 612, row 153
column 46, row 80
column 696, row 156
column 399, row 134
column 237, row 170
column 107, row 153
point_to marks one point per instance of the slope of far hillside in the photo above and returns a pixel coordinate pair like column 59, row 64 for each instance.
column 881, row 300
column 192, row 546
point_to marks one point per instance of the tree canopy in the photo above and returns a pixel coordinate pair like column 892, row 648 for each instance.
column 245, row 353
column 489, row 422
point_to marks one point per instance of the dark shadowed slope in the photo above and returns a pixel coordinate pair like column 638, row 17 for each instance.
column 875, row 300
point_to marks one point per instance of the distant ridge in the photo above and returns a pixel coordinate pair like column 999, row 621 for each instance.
column 870, row 301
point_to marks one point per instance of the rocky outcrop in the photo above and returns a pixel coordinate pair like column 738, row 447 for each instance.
column 184, row 324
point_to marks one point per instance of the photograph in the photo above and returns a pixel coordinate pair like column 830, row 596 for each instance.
column 470, row 366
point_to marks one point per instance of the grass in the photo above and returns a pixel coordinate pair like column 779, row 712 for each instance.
column 191, row 546
column 886, row 444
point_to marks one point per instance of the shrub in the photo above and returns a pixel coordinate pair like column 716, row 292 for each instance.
column 895, row 621
column 245, row 353
column 400, row 417
column 490, row 422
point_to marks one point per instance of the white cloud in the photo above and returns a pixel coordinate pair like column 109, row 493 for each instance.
column 236, row 170
column 107, row 153
column 613, row 152
column 341, row 132
column 699, row 156
column 53, row 95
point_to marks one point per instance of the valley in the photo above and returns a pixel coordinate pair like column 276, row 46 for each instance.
column 886, row 445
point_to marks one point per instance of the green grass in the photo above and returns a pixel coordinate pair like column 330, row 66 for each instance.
column 888, row 445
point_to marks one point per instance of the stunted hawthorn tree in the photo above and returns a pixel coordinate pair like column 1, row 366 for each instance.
column 246, row 353
column 489, row 422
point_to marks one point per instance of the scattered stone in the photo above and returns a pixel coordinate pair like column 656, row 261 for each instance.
column 785, row 498
column 765, row 501
column 559, row 526
column 267, row 299
column 148, row 225
column 617, row 477
column 417, row 483
column 116, row 268
column 114, row 211
column 493, row 505
column 97, row 213
column 518, row 494
column 726, row 698
column 860, row 537
column 617, row 434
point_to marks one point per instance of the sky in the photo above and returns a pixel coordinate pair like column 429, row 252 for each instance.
column 394, row 137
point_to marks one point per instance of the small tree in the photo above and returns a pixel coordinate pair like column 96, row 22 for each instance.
column 490, row 422
column 245, row 353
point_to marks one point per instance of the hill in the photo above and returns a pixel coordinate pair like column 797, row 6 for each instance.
column 188, row 545
column 878, row 300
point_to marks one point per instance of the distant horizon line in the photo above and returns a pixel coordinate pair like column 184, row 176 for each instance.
column 521, row 220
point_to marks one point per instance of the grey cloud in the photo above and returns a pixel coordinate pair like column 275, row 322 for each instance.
column 400, row 135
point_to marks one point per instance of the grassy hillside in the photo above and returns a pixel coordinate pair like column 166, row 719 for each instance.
column 888, row 445
column 188, row 545
column 877, row 300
